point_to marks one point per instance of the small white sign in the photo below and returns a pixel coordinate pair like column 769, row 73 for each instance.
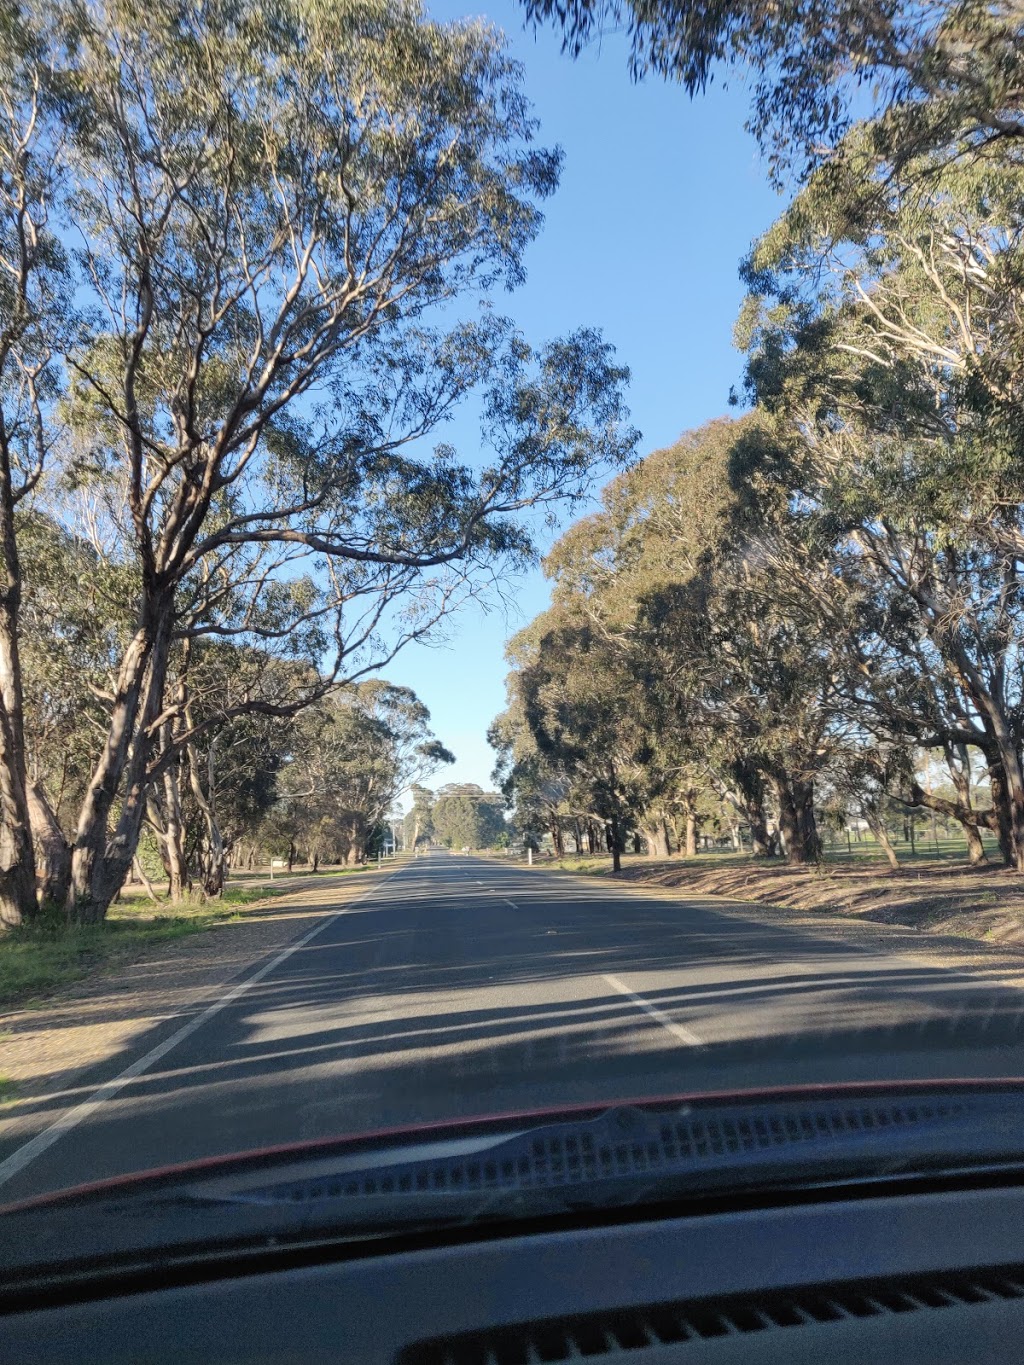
column 278, row 862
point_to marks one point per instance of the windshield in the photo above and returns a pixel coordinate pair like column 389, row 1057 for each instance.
column 510, row 542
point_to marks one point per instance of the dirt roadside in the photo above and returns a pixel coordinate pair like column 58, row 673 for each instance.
column 45, row 1049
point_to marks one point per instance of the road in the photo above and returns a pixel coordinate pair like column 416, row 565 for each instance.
column 463, row 986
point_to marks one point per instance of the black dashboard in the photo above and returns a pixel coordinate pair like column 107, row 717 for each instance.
column 933, row 1276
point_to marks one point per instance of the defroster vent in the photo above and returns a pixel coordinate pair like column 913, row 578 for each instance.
column 618, row 1332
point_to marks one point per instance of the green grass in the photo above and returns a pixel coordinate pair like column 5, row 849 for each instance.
column 948, row 848
column 8, row 1089
column 37, row 959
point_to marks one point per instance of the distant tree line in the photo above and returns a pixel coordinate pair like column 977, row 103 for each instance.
column 458, row 815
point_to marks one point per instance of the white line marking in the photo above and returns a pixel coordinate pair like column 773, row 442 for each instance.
column 679, row 1031
column 512, row 903
column 22, row 1156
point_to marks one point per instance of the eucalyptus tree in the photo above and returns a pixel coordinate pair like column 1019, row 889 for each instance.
column 350, row 756
column 419, row 819
column 732, row 683
column 35, row 322
column 579, row 703
column 899, row 375
column 276, row 214
column 935, row 73
column 465, row 816
column 533, row 783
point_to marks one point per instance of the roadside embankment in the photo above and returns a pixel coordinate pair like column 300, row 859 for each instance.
column 930, row 895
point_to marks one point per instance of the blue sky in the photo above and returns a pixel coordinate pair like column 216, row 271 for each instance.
column 660, row 198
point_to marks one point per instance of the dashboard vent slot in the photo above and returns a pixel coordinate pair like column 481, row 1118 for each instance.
column 678, row 1142
column 612, row 1333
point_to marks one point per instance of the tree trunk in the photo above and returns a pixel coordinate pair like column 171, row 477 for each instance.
column 877, row 826
column 803, row 799
column 970, row 820
column 1001, row 810
column 1004, row 755
column 215, row 854
column 557, row 839
column 137, row 865
column 690, row 837
column 976, row 854
column 797, row 825
column 355, row 854
column 787, row 822
column 17, row 855
column 174, row 832
column 758, row 822
column 612, row 837
column 100, row 859
column 1007, row 782
column 656, row 837
column 576, row 837
column 52, row 851
column 749, row 783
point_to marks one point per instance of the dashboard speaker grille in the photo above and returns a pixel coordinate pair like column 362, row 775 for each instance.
column 616, row 1332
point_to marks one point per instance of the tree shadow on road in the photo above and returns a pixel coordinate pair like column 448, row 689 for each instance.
column 397, row 1013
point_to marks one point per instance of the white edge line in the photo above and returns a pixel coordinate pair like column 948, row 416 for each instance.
column 71, row 1118
column 679, row 1031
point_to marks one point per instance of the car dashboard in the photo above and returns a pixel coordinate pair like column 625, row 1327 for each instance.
column 877, row 1274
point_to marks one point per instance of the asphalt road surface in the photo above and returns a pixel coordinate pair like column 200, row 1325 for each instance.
column 462, row 986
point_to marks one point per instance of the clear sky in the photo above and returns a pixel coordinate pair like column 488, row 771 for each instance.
column 659, row 200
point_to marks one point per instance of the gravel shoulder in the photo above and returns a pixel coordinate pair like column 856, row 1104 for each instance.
column 94, row 1027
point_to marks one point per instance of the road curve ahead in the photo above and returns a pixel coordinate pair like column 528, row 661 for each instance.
column 464, row 986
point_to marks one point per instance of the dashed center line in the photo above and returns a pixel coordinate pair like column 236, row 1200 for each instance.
column 508, row 902
column 679, row 1031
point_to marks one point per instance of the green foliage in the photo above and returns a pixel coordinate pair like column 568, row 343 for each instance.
column 418, row 825
column 465, row 816
column 288, row 224
column 351, row 757
column 785, row 612
column 934, row 73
